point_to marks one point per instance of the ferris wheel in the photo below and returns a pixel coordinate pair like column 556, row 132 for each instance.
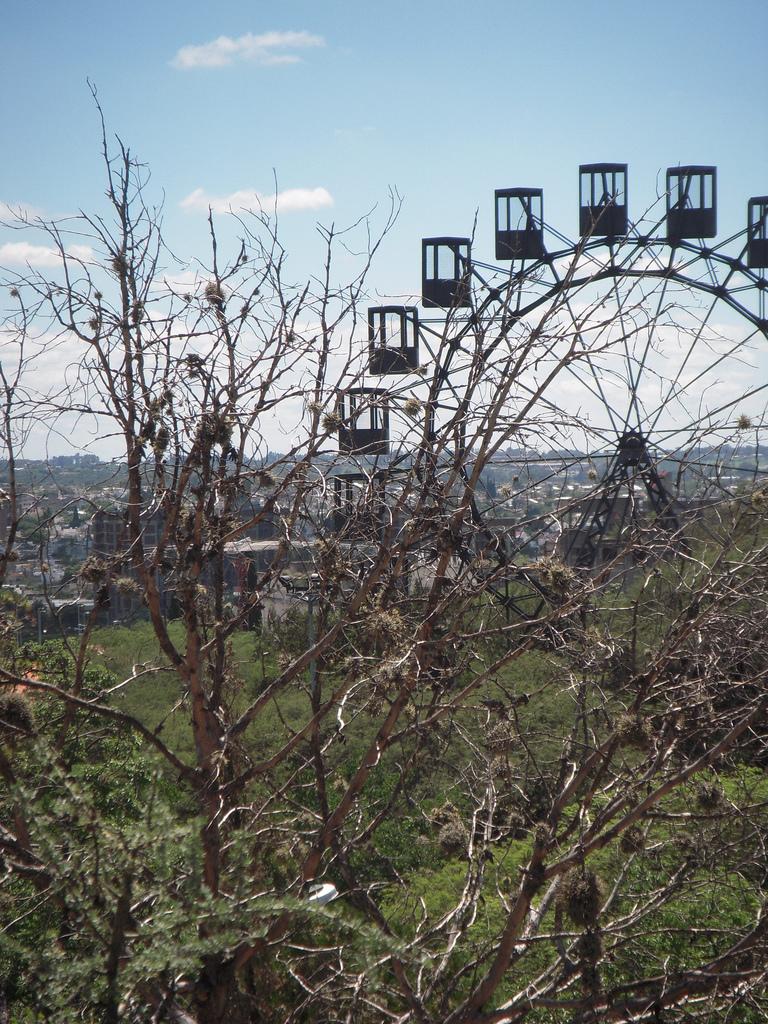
column 663, row 389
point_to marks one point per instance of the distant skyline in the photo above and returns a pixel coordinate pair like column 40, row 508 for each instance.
column 323, row 107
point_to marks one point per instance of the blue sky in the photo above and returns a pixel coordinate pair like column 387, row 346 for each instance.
column 443, row 100
column 340, row 101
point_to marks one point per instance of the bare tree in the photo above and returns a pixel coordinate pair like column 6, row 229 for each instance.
column 540, row 790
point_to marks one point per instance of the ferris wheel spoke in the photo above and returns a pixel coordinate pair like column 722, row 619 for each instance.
column 703, row 423
column 623, row 270
column 674, row 389
column 673, row 392
column 544, row 403
column 598, row 391
column 649, row 341
column 634, row 378
column 569, row 242
column 717, row 466
column 716, row 289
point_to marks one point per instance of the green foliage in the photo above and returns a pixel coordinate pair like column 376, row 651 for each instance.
column 108, row 818
column 711, row 906
column 111, row 830
column 16, row 718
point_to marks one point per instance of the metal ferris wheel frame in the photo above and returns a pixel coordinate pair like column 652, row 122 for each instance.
column 468, row 291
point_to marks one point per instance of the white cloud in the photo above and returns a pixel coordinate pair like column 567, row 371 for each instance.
column 249, row 199
column 25, row 254
column 267, row 49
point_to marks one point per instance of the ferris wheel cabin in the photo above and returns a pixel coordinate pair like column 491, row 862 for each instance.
column 519, row 223
column 603, row 200
column 445, row 272
column 359, row 501
column 365, row 426
column 691, row 203
column 393, row 339
column 757, row 245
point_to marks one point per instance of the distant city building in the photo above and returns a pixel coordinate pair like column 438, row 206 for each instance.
column 73, row 461
column 110, row 537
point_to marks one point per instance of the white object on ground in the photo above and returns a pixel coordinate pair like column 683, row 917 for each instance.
column 322, row 893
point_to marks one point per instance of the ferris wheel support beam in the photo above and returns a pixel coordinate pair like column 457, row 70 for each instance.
column 630, row 464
